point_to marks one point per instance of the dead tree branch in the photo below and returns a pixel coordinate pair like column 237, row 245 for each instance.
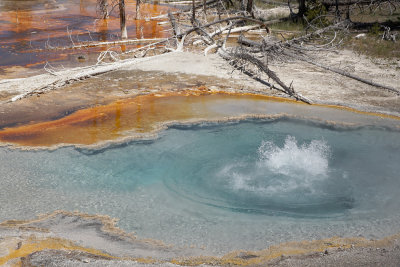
column 344, row 73
column 263, row 47
column 242, row 55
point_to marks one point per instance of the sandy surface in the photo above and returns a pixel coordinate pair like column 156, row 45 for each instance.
column 323, row 86
column 318, row 85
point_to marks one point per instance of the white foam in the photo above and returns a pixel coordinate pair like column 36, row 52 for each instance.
column 308, row 159
column 281, row 170
column 238, row 180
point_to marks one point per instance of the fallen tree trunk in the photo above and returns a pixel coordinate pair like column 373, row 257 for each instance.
column 208, row 3
column 261, row 23
column 242, row 29
column 262, row 47
column 111, row 43
column 177, row 31
column 264, row 68
column 344, row 73
column 59, row 79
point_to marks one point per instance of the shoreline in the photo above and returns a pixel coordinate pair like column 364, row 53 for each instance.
column 40, row 231
column 321, row 87
column 357, row 119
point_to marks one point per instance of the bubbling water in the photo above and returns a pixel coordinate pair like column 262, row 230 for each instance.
column 308, row 159
column 225, row 187
column 290, row 179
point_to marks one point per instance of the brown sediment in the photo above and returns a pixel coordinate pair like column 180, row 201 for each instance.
column 127, row 118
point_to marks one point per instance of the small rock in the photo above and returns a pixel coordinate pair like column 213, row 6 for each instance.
column 213, row 88
column 326, row 252
column 360, row 36
column 246, row 256
column 81, row 58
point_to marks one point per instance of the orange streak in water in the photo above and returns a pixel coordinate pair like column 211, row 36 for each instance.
column 96, row 124
column 141, row 114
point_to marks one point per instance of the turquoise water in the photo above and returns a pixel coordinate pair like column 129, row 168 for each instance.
column 233, row 186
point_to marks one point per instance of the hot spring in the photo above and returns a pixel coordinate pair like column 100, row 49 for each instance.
column 242, row 184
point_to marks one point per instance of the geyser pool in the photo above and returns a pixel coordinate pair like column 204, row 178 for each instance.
column 243, row 185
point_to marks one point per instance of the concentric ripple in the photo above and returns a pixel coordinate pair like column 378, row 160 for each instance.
column 229, row 186
column 292, row 180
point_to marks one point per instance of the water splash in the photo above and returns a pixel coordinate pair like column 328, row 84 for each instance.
column 292, row 178
column 280, row 170
column 309, row 160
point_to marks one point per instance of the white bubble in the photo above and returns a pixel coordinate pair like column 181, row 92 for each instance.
column 308, row 159
column 282, row 170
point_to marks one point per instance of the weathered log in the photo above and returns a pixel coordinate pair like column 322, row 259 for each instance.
column 180, row 34
column 201, row 32
column 65, row 77
column 242, row 29
column 285, row 52
column 259, row 46
column 264, row 68
column 261, row 23
column 208, row 3
column 344, row 73
column 110, row 43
